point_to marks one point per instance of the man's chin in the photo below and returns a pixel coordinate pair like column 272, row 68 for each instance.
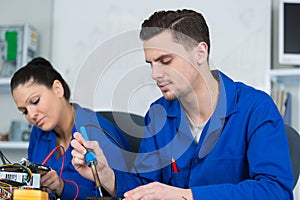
column 169, row 97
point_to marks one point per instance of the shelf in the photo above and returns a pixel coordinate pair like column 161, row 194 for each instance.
column 4, row 81
column 13, row 145
column 286, row 75
column 4, row 85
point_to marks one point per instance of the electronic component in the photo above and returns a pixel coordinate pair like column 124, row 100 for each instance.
column 18, row 45
column 34, row 167
column 22, row 194
column 20, row 179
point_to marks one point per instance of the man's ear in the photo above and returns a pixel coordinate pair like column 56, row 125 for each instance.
column 58, row 88
column 202, row 52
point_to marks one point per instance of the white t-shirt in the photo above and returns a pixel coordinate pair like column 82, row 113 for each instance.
column 195, row 129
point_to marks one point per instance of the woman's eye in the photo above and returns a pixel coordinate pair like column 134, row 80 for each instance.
column 35, row 101
column 24, row 112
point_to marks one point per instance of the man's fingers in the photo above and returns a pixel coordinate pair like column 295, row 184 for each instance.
column 78, row 147
column 139, row 192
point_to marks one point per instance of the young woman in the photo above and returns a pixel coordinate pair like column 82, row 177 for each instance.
column 42, row 95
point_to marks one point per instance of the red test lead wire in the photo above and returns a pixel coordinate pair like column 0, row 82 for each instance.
column 174, row 166
column 61, row 169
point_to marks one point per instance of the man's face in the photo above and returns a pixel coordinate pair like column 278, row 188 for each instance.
column 173, row 67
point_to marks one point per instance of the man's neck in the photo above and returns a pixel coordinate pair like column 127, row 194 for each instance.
column 200, row 103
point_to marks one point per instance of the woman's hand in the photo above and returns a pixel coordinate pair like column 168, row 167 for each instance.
column 52, row 181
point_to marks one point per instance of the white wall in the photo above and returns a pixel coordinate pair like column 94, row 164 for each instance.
column 103, row 35
column 95, row 44
column 78, row 36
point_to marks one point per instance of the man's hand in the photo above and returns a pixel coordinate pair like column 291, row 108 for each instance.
column 158, row 191
column 79, row 144
column 106, row 174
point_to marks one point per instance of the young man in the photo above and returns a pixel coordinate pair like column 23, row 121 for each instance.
column 208, row 137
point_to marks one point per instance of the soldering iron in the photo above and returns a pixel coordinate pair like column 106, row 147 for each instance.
column 91, row 161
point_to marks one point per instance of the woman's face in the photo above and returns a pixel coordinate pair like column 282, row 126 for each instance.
column 41, row 106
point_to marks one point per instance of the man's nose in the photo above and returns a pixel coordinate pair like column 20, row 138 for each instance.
column 156, row 72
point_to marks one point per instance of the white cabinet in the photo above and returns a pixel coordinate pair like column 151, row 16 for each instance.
column 285, row 76
column 288, row 79
column 18, row 45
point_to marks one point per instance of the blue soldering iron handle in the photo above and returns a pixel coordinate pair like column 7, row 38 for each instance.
column 84, row 133
column 89, row 156
column 91, row 161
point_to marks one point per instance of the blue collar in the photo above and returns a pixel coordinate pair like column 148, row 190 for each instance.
column 227, row 102
column 227, row 105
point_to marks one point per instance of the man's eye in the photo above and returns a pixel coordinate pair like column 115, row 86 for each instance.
column 166, row 61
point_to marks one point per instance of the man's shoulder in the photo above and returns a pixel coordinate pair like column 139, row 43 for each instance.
column 249, row 90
